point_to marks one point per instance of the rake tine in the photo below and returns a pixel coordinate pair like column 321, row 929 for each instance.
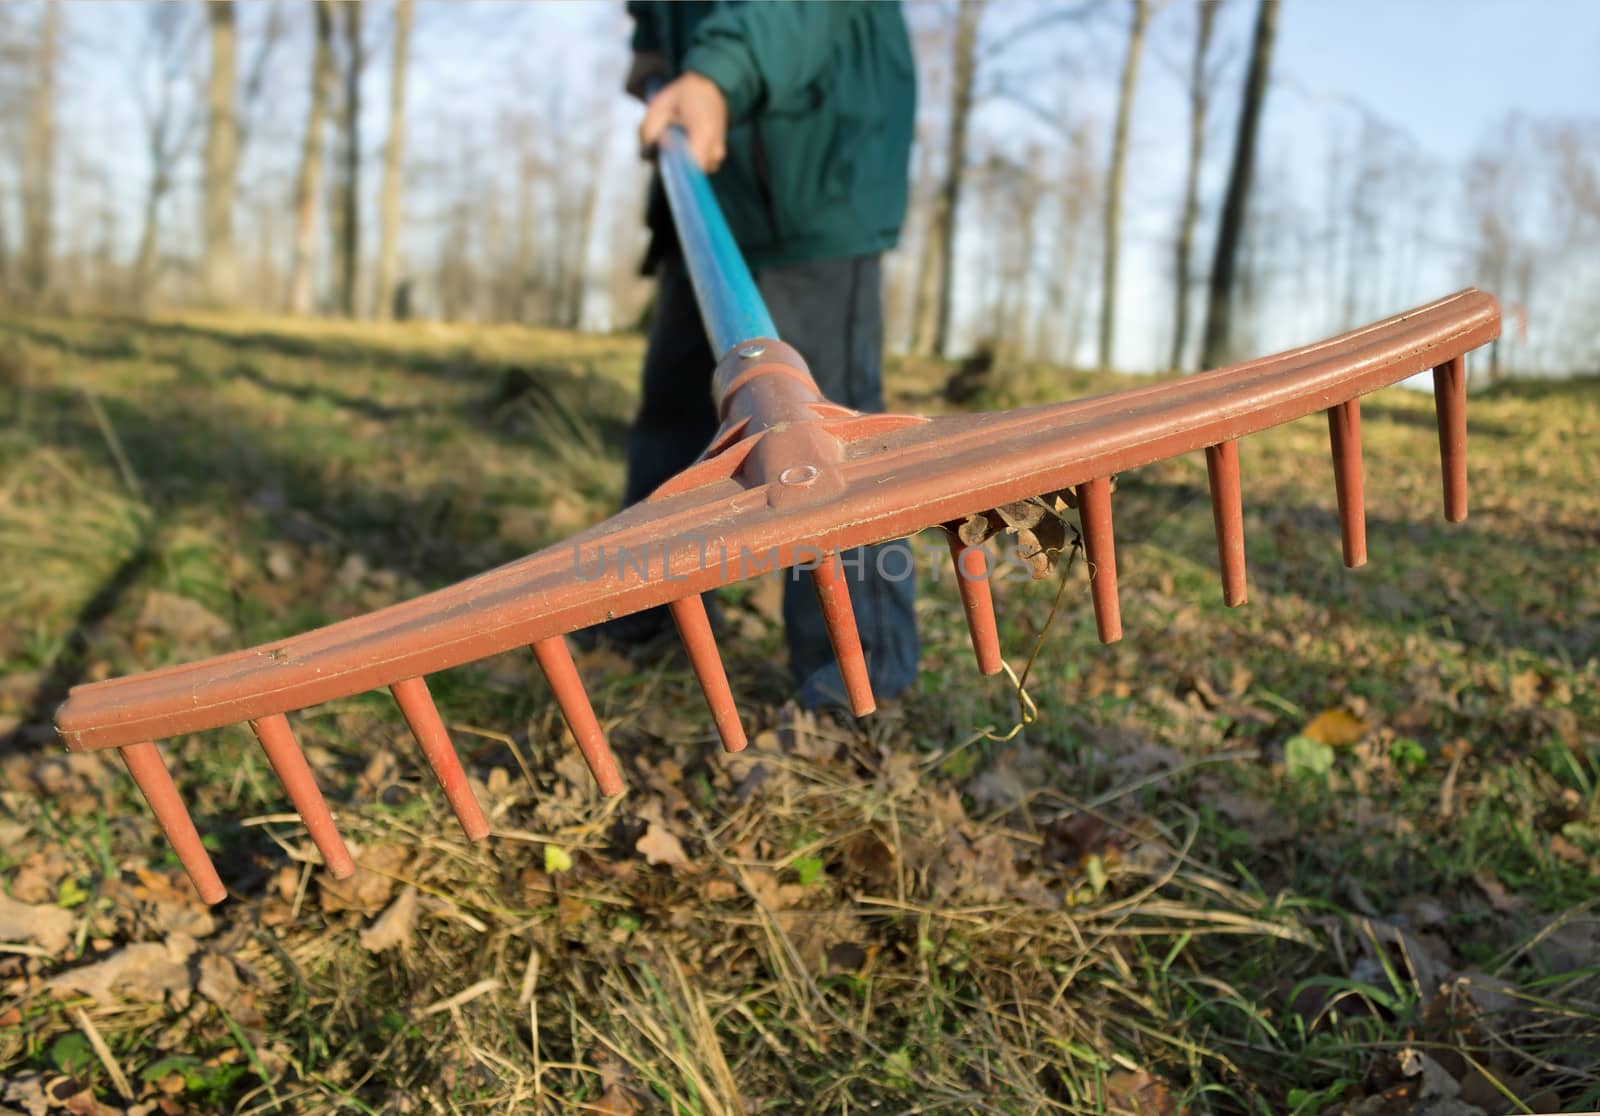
column 1100, row 545
column 277, row 740
column 556, row 662
column 694, row 628
column 1227, row 512
column 977, row 601
column 833, row 594
column 1344, row 434
column 150, row 772
column 1450, row 406
column 416, row 705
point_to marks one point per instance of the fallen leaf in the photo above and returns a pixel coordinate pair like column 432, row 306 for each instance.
column 615, row 1101
column 39, row 875
column 186, row 620
column 1572, row 854
column 1524, row 688
column 1138, row 1092
column 219, row 980
column 1336, row 728
column 27, row 1092
column 997, row 789
column 393, row 928
column 1304, row 757
column 47, row 926
column 870, row 856
column 1495, row 891
column 367, row 891
column 557, row 859
column 145, row 971
column 659, row 846
column 280, row 562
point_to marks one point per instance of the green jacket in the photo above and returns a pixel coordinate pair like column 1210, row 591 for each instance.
column 821, row 107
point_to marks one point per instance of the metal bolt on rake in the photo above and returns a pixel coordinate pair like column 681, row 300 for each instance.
column 795, row 479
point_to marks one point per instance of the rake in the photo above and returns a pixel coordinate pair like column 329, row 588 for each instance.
column 790, row 479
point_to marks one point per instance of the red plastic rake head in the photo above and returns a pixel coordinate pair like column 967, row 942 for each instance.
column 790, row 479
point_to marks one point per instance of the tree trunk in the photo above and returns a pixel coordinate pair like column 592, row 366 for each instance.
column 348, row 247
column 39, row 162
column 578, row 273
column 144, row 267
column 964, row 67
column 1199, row 94
column 218, row 264
column 923, row 278
column 393, row 165
column 1119, row 157
column 1219, row 302
column 308, row 183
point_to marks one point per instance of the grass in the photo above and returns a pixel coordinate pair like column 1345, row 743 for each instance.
column 1177, row 890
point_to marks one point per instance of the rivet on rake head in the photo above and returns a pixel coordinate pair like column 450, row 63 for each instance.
column 750, row 352
column 798, row 475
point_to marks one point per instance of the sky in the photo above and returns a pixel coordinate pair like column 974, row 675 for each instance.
column 1442, row 72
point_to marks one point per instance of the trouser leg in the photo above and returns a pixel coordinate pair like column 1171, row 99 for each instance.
column 676, row 417
column 832, row 312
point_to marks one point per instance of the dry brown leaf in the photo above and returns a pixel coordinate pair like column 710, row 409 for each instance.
column 775, row 896
column 870, row 856
column 1138, row 1092
column 1499, row 898
column 145, row 971
column 1572, row 854
column 1524, row 688
column 26, row 1091
column 659, row 846
column 185, row 620
column 47, row 926
column 394, row 927
column 367, row 891
column 1337, row 728
column 35, row 878
column 615, row 1101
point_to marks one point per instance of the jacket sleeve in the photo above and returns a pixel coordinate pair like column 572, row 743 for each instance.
column 763, row 52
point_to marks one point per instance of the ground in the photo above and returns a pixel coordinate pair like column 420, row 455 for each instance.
column 1334, row 850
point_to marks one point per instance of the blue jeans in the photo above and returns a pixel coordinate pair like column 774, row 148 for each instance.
column 832, row 312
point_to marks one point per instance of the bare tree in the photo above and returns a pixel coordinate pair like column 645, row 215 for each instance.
column 393, row 165
column 39, row 160
column 1119, row 156
column 308, row 182
column 1200, row 80
column 169, row 127
column 942, row 230
column 1230, row 228
column 218, row 264
column 347, row 243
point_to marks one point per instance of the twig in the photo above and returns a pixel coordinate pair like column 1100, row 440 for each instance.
column 465, row 996
column 113, row 443
column 103, row 1052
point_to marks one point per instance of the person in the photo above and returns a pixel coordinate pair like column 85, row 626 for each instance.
column 803, row 116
